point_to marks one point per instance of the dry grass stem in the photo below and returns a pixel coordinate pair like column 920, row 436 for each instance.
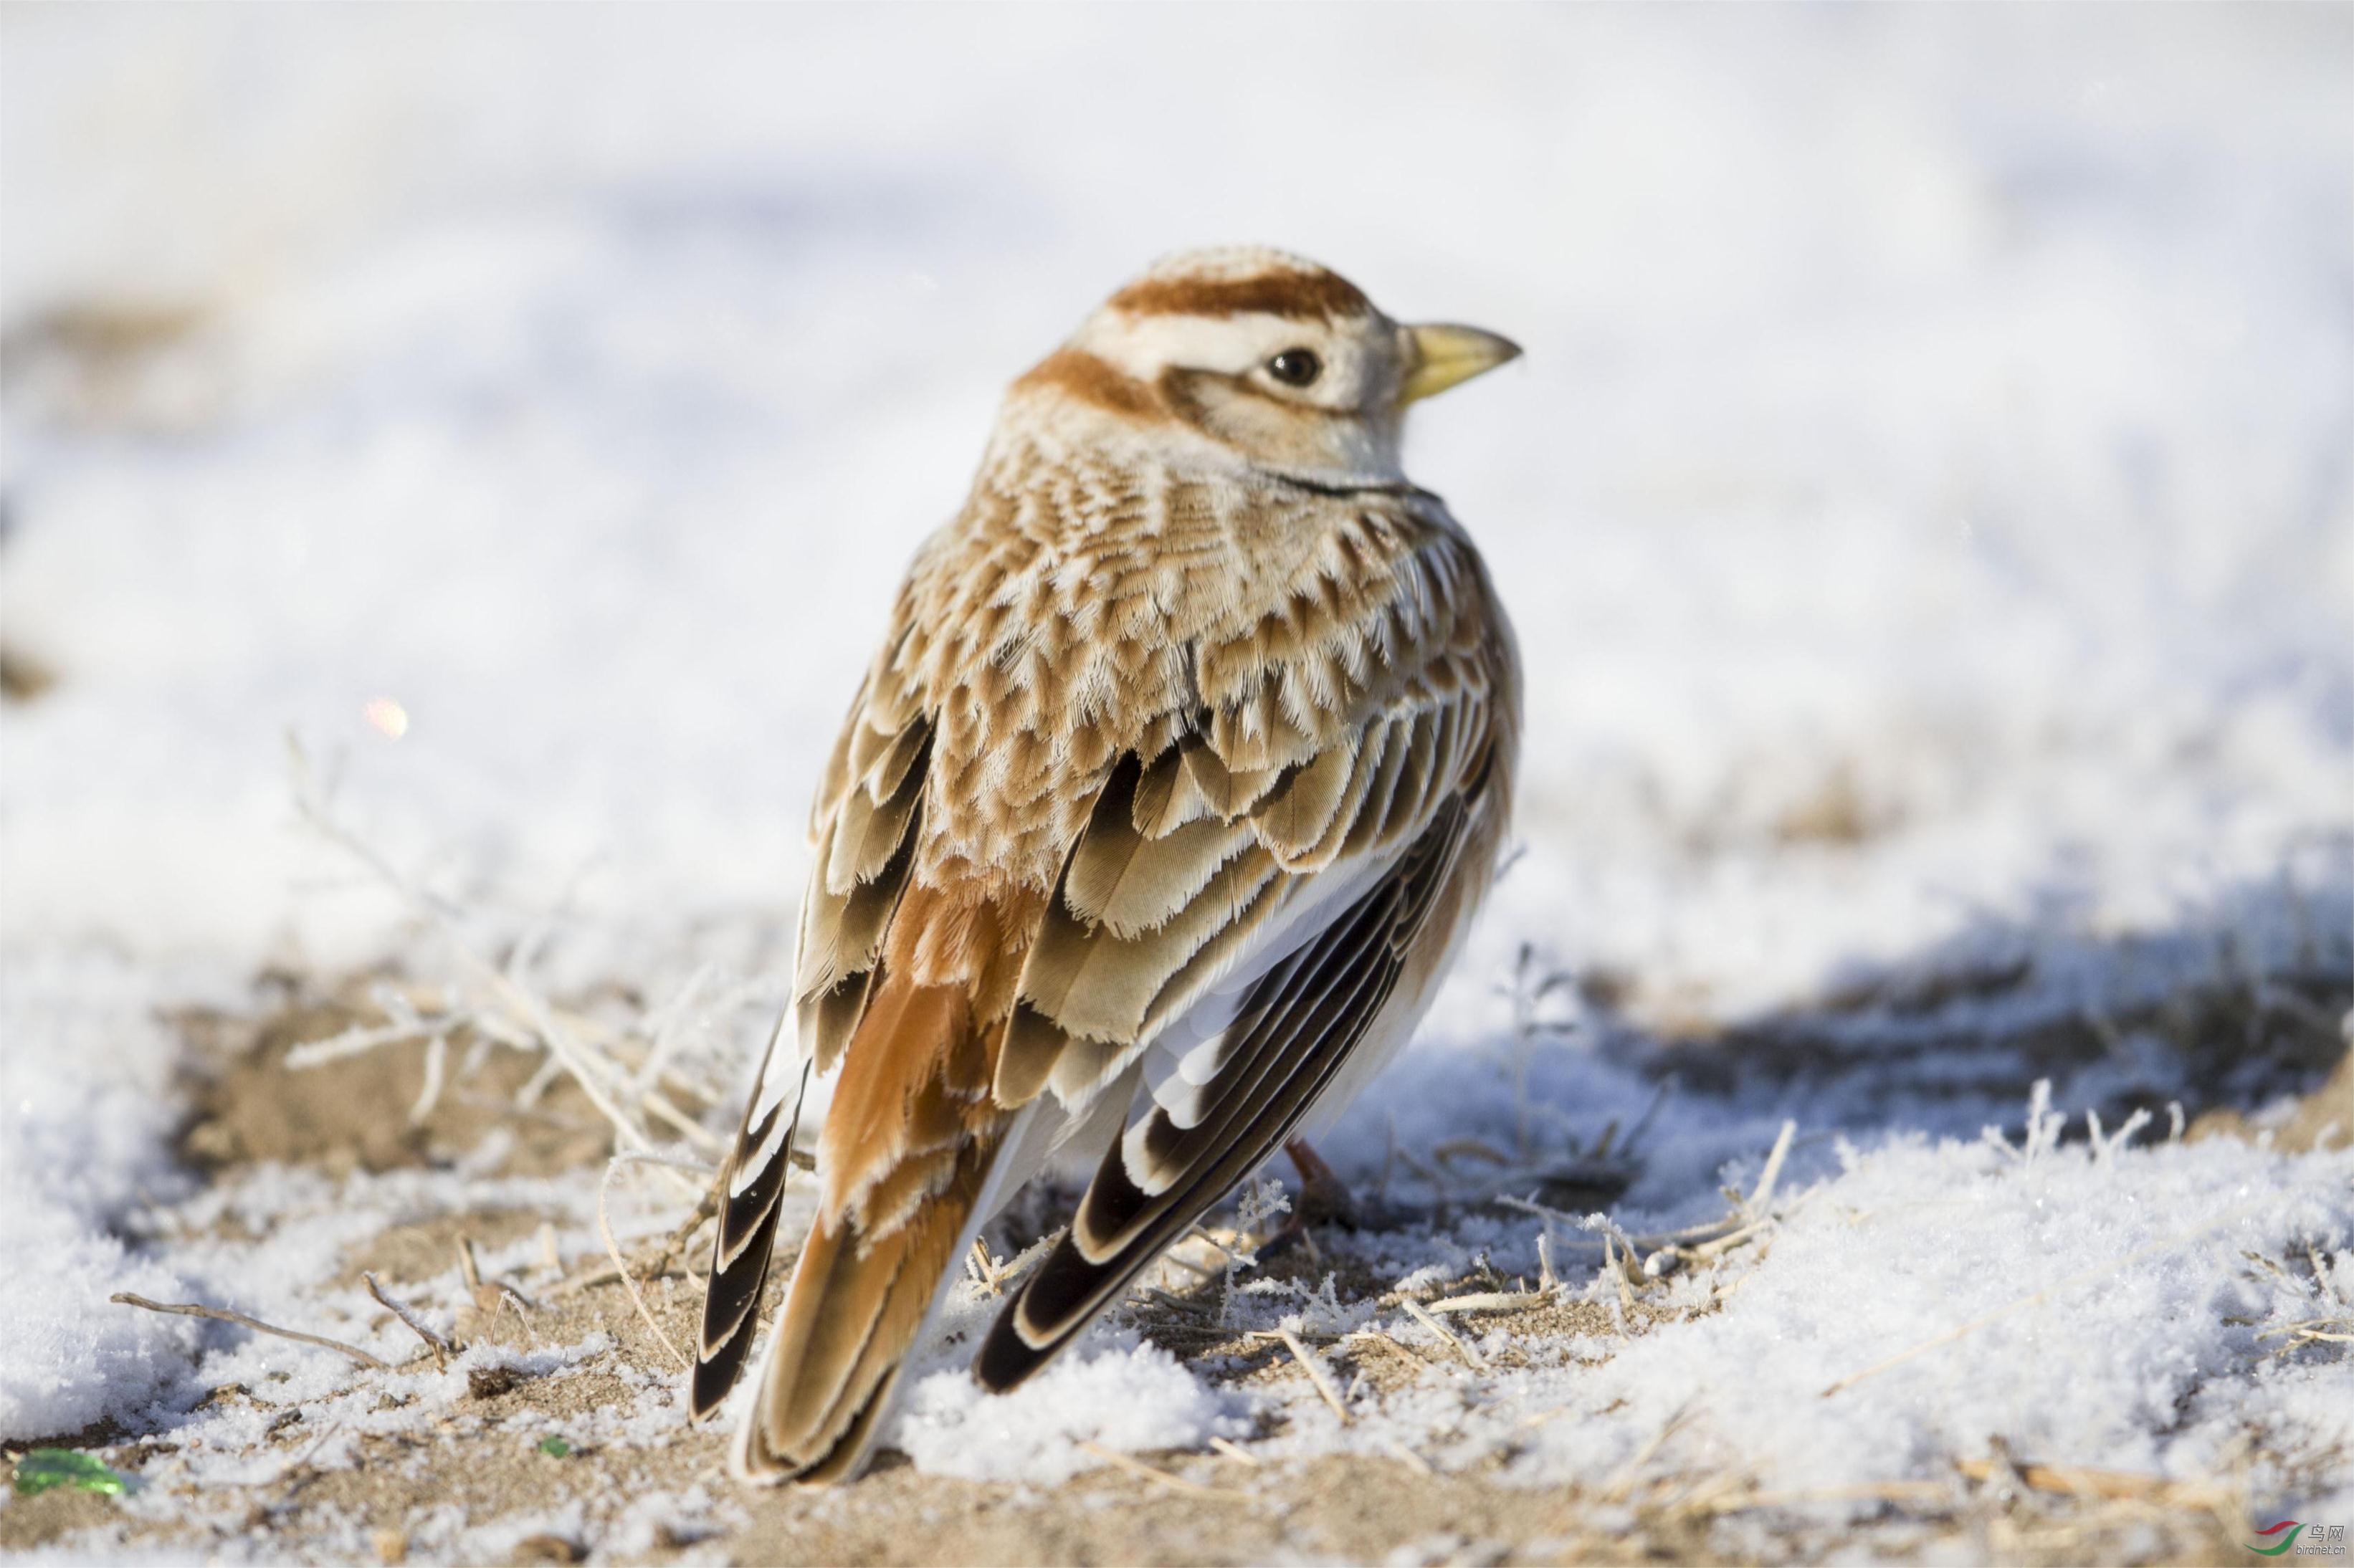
column 1771, row 1176
column 1701, row 1252
column 442, row 1349
column 1234, row 1451
column 1491, row 1301
column 1613, row 1266
column 1916, row 1493
column 2113, row 1486
column 1422, row 1316
column 1136, row 1466
column 1414, row 1460
column 1622, row 1484
column 565, row 1289
column 505, row 1009
column 1377, row 1336
column 436, row 1062
column 658, row 1105
column 1314, row 1367
column 1195, row 1269
column 1175, row 1303
column 488, row 1295
column 223, row 1315
column 613, row 1250
column 1470, row 1147
column 1685, row 1238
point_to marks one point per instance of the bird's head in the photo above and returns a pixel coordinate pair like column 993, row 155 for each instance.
column 1265, row 357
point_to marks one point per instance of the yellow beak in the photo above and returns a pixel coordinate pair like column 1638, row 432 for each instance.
column 1444, row 356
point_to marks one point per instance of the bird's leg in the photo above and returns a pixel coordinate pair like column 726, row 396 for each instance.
column 1324, row 1200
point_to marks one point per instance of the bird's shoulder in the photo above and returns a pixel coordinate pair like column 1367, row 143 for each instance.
column 1076, row 611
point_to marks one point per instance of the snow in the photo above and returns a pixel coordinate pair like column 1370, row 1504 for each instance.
column 2106, row 1286
column 1922, row 1300
column 1925, row 504
column 1132, row 1400
column 85, row 1137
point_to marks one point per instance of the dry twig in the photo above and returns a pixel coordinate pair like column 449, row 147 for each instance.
column 223, row 1315
column 442, row 1350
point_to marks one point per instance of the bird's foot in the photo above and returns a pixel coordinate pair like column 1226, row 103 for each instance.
column 1324, row 1200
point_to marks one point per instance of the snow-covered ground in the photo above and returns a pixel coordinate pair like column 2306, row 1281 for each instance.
column 1927, row 505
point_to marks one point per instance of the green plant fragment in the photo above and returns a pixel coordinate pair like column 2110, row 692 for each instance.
column 44, row 1470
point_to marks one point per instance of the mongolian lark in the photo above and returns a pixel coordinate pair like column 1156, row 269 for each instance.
column 1180, row 770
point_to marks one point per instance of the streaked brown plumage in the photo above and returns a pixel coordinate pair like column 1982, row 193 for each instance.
column 1184, row 761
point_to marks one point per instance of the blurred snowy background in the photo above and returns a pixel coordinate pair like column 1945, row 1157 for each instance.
column 1928, row 502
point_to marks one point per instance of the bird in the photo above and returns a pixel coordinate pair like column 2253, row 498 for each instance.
column 1155, row 822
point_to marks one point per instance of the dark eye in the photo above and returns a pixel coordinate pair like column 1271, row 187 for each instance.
column 1295, row 367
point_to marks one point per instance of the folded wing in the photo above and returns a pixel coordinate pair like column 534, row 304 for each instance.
column 1249, row 933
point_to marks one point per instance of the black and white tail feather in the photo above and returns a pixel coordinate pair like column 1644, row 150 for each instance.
column 752, row 1194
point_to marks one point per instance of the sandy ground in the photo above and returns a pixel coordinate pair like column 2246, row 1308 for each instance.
column 665, row 1498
